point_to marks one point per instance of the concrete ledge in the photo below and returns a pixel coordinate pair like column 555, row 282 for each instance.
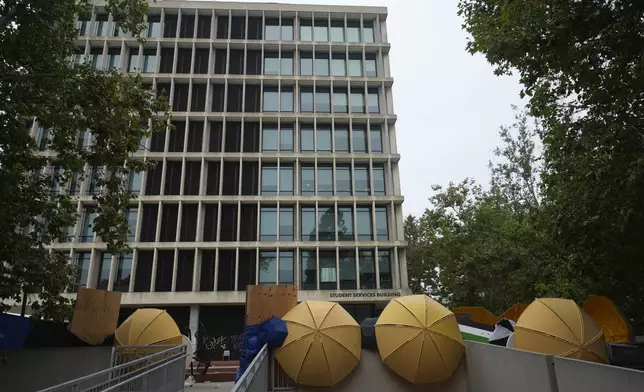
column 573, row 376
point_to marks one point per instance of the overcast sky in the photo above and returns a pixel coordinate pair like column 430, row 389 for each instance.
column 449, row 103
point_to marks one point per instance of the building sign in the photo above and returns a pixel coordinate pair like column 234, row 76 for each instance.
column 358, row 295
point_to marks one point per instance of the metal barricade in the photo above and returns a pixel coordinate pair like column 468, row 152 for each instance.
column 255, row 378
column 137, row 368
column 280, row 380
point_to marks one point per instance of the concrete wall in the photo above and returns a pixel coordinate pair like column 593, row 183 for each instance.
column 30, row 370
column 489, row 368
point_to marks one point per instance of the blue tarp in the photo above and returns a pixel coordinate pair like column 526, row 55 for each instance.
column 14, row 331
column 271, row 332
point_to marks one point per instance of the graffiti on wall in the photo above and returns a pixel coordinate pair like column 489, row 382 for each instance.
column 213, row 347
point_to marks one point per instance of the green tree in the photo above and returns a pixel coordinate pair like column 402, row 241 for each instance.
column 581, row 66
column 485, row 247
column 38, row 81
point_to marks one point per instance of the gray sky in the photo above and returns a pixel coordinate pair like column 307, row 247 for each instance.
column 449, row 103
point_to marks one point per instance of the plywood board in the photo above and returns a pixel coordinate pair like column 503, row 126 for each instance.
column 96, row 314
column 266, row 301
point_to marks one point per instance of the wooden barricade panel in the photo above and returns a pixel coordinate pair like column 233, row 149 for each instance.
column 96, row 314
column 266, row 301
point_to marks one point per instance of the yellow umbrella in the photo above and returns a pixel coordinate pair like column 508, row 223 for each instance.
column 323, row 344
column 604, row 311
column 478, row 314
column 558, row 326
column 419, row 339
column 148, row 326
column 514, row 312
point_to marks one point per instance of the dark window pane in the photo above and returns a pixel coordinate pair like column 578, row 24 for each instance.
column 238, row 28
column 198, row 102
column 172, row 178
column 367, row 269
column 123, row 273
column 143, row 271
column 153, row 179
column 104, row 271
column 309, row 270
column 222, row 27
column 185, row 266
column 203, row 25
column 348, row 270
column 149, row 222
column 226, row 272
column 165, row 266
column 212, row 185
column 169, row 217
column 267, row 267
column 384, row 267
column 201, row 61
column 192, row 178
column 345, row 224
column 207, row 280
column 170, row 26
column 286, row 267
column 187, row 28
column 189, row 223
column 210, row 223
column 307, row 224
column 214, row 144
column 247, row 268
column 254, row 27
column 195, row 136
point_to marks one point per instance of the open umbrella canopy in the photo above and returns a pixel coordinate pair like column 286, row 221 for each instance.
column 419, row 339
column 558, row 326
column 604, row 311
column 148, row 326
column 514, row 312
column 478, row 314
column 322, row 346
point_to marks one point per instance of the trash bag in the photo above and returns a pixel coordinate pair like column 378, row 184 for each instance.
column 368, row 333
column 271, row 332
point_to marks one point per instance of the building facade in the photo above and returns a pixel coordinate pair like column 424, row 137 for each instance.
column 281, row 165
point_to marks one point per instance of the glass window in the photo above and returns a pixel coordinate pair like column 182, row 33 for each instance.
column 82, row 268
column 357, row 101
column 347, row 270
column 287, row 30
column 307, row 174
column 382, row 224
column 123, row 273
column 376, row 139
column 96, row 60
column 321, row 64
column 149, row 61
column 355, row 65
column 306, row 64
column 327, row 270
column 359, row 139
column 271, row 63
column 363, row 187
column 379, row 180
column 268, row 224
column 269, row 139
column 306, row 30
column 309, row 278
column 353, row 31
column 363, row 219
column 286, row 180
column 343, row 180
column 323, row 100
column 286, row 268
column 272, row 30
column 307, row 141
column 287, row 64
column 286, row 99
column 81, row 26
column 306, row 100
column 324, row 139
column 341, row 138
column 286, row 224
column 373, row 101
column 367, row 267
column 114, row 60
column 308, row 224
column 370, row 65
column 87, row 230
column 340, row 101
column 384, row 267
column 271, row 99
column 338, row 65
column 368, row 32
column 337, row 30
column 345, row 223
column 104, row 271
column 134, row 61
column 42, row 138
column 132, row 214
column 286, row 138
column 267, row 267
column 321, row 31
column 100, row 25
column 325, row 180
column 269, row 180
column 154, row 26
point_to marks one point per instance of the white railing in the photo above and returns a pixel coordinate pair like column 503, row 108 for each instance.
column 255, row 378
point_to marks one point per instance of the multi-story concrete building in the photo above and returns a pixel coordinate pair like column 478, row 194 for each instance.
column 282, row 165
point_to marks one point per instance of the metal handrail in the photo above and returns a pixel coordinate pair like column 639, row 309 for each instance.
column 109, row 371
column 249, row 375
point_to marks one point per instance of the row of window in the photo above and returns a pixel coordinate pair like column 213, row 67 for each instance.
column 337, row 270
column 238, row 27
column 240, row 62
column 321, row 223
column 339, row 137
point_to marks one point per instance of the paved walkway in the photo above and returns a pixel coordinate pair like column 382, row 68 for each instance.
column 211, row 386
